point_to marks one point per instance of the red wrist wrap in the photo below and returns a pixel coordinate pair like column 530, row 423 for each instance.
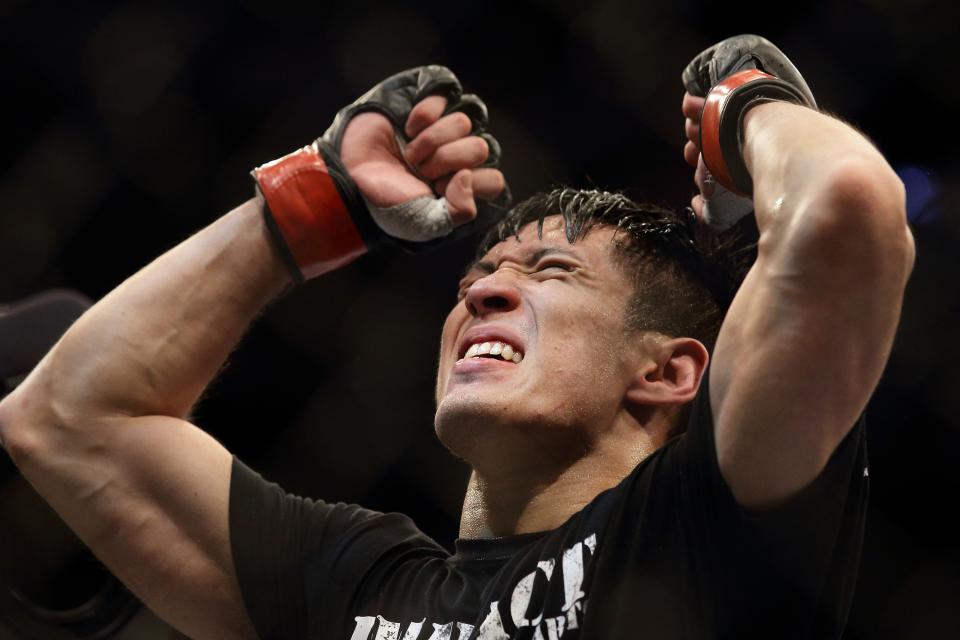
column 309, row 212
column 710, row 143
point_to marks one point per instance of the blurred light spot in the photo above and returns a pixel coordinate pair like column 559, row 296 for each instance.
column 130, row 60
column 45, row 196
column 922, row 194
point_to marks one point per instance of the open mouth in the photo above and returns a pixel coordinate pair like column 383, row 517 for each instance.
column 494, row 350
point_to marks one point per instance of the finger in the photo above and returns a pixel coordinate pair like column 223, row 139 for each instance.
column 692, row 130
column 690, row 153
column 473, row 107
column 459, row 195
column 464, row 153
column 692, row 106
column 697, row 204
column 493, row 155
column 488, row 183
column 424, row 114
column 446, row 129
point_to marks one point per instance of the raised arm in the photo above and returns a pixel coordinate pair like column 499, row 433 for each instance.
column 810, row 330
column 100, row 426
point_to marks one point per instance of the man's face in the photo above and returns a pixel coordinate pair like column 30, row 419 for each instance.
column 561, row 307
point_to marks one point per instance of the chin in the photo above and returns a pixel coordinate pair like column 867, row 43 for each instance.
column 486, row 427
column 464, row 421
column 457, row 415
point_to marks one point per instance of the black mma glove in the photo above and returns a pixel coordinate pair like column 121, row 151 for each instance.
column 320, row 218
column 735, row 75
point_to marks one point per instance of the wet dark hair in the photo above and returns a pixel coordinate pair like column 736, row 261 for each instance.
column 684, row 276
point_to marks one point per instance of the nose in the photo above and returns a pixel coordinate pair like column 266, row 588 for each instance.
column 490, row 294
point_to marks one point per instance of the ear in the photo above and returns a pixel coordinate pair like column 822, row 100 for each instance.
column 670, row 373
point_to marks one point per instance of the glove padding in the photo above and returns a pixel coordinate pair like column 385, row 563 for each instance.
column 735, row 75
column 724, row 208
column 318, row 234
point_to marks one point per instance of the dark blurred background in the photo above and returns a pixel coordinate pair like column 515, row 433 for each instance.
column 131, row 125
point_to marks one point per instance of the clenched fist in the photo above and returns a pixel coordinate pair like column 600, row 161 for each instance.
column 409, row 163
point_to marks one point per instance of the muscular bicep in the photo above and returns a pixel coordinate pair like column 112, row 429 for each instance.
column 150, row 496
column 799, row 353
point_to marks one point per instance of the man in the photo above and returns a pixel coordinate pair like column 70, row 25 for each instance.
column 571, row 358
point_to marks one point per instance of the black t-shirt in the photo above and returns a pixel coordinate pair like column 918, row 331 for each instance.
column 667, row 553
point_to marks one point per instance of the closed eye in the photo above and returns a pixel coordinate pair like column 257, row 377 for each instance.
column 543, row 266
column 555, row 265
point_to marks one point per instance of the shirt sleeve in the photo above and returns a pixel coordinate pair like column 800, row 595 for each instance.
column 300, row 562
column 794, row 566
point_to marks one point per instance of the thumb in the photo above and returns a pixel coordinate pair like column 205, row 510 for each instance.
column 460, row 201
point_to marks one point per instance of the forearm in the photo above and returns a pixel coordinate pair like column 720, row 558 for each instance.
column 153, row 344
column 808, row 164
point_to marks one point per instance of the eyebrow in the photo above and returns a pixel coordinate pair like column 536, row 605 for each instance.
column 488, row 267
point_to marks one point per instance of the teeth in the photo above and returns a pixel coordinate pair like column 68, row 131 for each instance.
column 505, row 351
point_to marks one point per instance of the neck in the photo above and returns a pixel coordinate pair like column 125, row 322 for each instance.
column 528, row 499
